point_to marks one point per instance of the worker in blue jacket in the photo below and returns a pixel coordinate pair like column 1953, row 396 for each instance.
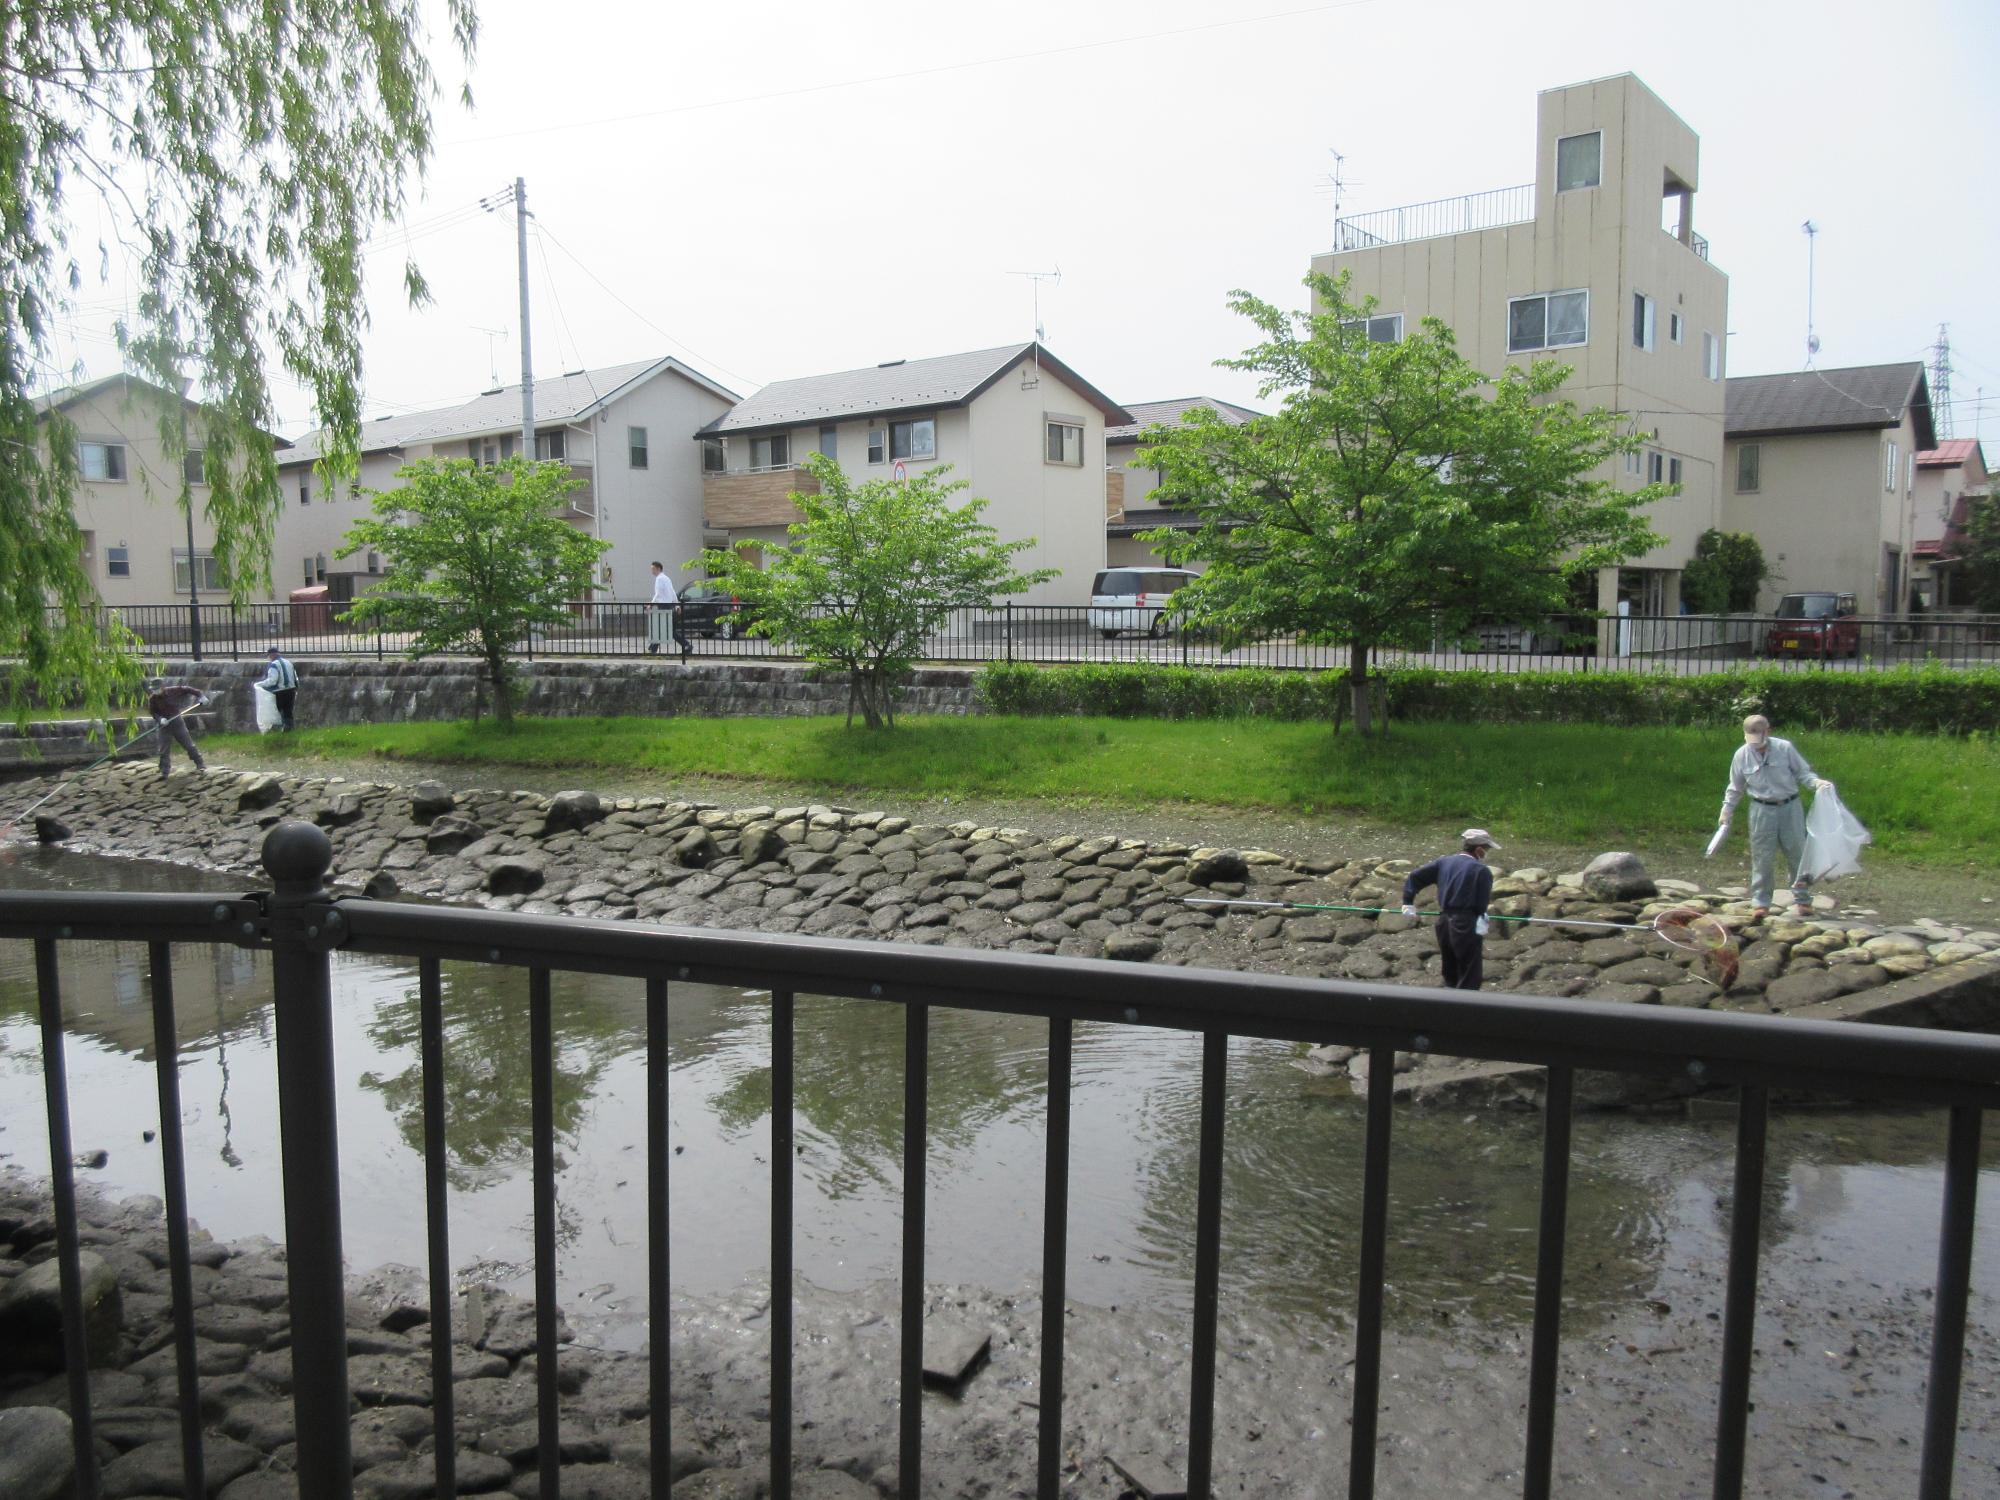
column 1464, row 889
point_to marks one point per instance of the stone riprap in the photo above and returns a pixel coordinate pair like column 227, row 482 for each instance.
column 837, row 872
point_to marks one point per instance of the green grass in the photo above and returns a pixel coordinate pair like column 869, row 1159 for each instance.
column 1928, row 800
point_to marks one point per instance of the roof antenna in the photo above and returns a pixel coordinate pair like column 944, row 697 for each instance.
column 492, row 363
column 1812, row 339
column 1031, row 380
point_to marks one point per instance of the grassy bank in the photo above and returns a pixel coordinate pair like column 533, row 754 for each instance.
column 1929, row 801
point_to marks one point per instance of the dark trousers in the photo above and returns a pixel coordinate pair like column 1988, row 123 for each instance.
column 171, row 731
column 1463, row 951
column 285, row 697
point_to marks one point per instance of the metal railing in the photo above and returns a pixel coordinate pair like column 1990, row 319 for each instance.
column 1492, row 209
column 1056, row 633
column 301, row 924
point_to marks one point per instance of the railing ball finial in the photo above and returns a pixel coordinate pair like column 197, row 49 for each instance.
column 297, row 855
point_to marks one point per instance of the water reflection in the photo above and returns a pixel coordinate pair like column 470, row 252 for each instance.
column 1645, row 1194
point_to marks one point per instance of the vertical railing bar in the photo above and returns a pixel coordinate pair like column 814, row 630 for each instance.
column 1547, row 1342
column 1055, row 1261
column 783, row 1041
column 173, row 1171
column 1207, row 1266
column 659, row 1283
column 1961, row 1199
column 916, row 1126
column 430, row 1003
column 541, row 1045
column 1374, row 1247
column 1739, row 1308
column 62, row 1175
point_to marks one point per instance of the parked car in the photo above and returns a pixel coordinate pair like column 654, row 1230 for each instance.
column 1814, row 624
column 707, row 610
column 1134, row 599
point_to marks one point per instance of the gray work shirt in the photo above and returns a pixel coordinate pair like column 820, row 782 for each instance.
column 1778, row 775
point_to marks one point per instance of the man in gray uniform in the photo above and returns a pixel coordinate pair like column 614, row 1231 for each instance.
column 170, row 707
column 1772, row 774
column 1465, row 889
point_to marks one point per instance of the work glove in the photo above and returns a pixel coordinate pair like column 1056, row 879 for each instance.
column 1479, row 926
column 1822, row 785
column 1409, row 910
column 1723, row 821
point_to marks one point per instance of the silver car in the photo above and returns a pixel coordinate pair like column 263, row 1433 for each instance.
column 1134, row 599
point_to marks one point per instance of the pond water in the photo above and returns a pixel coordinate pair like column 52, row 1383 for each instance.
column 1858, row 1189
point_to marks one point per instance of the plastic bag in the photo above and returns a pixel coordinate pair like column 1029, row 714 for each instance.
column 268, row 717
column 1834, row 837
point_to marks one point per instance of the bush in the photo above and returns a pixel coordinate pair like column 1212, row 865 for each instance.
column 1928, row 700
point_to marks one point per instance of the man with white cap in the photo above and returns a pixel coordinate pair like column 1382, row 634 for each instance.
column 1464, row 890
column 1772, row 774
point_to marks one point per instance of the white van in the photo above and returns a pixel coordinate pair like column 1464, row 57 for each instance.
column 1134, row 599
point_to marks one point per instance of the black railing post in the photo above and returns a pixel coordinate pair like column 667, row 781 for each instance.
column 303, row 926
column 1010, row 630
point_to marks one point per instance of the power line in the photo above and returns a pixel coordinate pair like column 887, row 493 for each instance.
column 576, row 349
column 907, row 74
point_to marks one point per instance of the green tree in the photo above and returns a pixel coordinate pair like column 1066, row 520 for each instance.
column 1725, row 573
column 1396, row 496
column 477, row 559
column 238, row 156
column 869, row 573
column 1979, row 554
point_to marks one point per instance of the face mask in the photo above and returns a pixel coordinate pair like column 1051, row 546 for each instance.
column 1755, row 741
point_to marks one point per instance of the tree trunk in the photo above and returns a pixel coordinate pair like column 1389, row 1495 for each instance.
column 503, row 694
column 1357, row 683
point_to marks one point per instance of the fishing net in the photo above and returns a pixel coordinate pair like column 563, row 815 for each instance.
column 1698, row 933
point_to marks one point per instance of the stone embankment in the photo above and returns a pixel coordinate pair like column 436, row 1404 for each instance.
column 837, row 872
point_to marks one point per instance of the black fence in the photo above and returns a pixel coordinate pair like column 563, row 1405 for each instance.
column 301, row 924
column 721, row 629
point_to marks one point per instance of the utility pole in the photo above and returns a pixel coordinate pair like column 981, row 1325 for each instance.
column 187, row 508
column 527, row 364
column 1941, row 384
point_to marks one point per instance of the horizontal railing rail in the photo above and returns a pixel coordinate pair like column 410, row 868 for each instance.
column 722, row 628
column 1492, row 209
column 301, row 923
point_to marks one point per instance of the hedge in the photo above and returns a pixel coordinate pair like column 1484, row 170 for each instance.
column 1925, row 699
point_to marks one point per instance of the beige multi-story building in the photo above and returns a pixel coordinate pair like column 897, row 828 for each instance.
column 1949, row 477
column 1595, row 263
column 622, row 431
column 127, row 500
column 1020, row 426
column 1821, row 467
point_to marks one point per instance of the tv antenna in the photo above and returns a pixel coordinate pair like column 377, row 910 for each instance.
column 1038, row 277
column 492, row 363
column 1812, row 339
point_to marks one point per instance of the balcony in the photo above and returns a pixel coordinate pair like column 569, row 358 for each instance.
column 754, row 497
column 580, row 504
column 1492, row 209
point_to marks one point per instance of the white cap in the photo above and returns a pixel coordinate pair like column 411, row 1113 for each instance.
column 1479, row 836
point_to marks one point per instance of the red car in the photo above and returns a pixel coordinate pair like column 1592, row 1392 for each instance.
column 1814, row 625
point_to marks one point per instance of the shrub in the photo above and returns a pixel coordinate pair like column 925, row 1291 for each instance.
column 1930, row 700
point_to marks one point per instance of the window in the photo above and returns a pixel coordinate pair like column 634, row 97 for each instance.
column 829, row 440
column 1656, row 466
column 1711, row 356
column 554, row 444
column 194, row 466
column 1553, row 320
column 374, row 562
column 636, row 454
column 712, row 458
column 1674, row 326
column 102, row 461
column 305, row 490
column 1673, row 471
column 1579, row 161
column 878, row 445
column 1064, row 443
column 117, row 562
column 913, row 439
column 1889, row 469
column 774, row 452
column 1910, row 472
column 1382, row 328
column 309, row 571
column 1643, row 315
column 1749, row 463
column 205, row 576
column 1634, row 461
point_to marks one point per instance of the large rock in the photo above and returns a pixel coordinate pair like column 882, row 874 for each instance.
column 37, row 1453
column 1618, row 877
column 31, row 1315
column 155, row 1468
column 49, row 830
column 570, row 811
column 515, row 874
column 696, row 850
column 339, row 811
column 1211, row 865
column 450, row 834
column 760, row 842
column 260, row 793
column 431, row 799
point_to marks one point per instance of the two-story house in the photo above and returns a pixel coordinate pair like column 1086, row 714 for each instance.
column 1024, row 429
column 1594, row 263
column 620, row 429
column 127, row 498
column 1821, row 468
column 1130, row 506
column 1949, row 477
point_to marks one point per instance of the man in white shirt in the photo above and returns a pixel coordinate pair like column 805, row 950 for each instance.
column 1772, row 774
column 664, row 614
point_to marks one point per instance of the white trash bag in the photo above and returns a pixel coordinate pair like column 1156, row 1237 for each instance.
column 1834, row 838
column 268, row 717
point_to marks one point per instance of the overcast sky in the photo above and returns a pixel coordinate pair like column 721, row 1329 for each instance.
column 776, row 188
